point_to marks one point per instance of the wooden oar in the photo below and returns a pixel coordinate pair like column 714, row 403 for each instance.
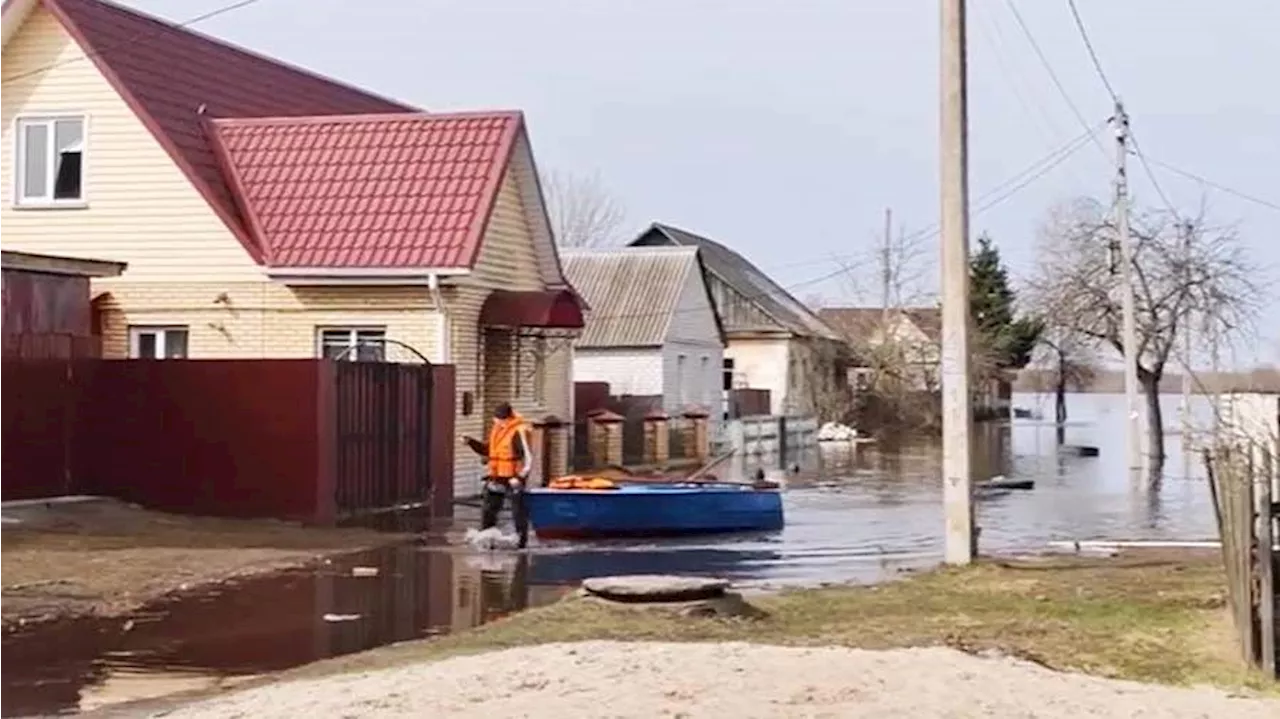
column 704, row 469
column 696, row 476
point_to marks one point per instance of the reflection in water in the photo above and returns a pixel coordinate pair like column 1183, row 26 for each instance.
column 254, row 626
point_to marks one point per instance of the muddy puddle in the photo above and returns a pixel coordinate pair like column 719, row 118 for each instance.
column 238, row 630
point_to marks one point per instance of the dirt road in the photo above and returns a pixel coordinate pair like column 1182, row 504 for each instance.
column 613, row 679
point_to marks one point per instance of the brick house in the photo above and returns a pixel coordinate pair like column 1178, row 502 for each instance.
column 265, row 211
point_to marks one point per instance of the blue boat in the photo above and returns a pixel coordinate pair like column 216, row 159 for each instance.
column 653, row 509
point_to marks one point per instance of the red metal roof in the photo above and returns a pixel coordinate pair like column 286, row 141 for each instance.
column 407, row 190
column 170, row 76
column 552, row 309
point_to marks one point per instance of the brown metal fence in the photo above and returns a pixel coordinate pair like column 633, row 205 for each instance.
column 322, row 440
column 384, row 426
column 40, row 403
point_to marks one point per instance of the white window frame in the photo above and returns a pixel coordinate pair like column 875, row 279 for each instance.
column 352, row 332
column 704, row 379
column 136, row 332
column 20, row 155
column 681, row 361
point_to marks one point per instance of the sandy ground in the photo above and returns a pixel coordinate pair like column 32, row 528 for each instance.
column 108, row 558
column 613, row 679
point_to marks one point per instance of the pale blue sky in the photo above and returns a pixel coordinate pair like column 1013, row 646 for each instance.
column 784, row 129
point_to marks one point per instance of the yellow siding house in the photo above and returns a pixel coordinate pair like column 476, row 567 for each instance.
column 265, row 211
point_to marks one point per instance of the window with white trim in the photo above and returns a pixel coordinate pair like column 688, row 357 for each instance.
column 50, row 167
column 706, row 381
column 354, row 344
column 679, row 388
column 158, row 342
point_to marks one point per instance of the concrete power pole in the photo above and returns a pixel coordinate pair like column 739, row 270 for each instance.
column 886, row 270
column 1187, row 229
column 1129, row 327
column 957, row 420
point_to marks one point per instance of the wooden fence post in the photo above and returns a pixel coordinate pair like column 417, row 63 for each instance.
column 1266, row 563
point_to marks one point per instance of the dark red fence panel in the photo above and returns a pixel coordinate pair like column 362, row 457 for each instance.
column 217, row 437
column 40, row 387
column 384, row 426
column 44, row 303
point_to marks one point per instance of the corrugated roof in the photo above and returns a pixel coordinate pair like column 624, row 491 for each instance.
column 404, row 190
column 175, row 78
column 633, row 292
column 735, row 270
column 855, row 323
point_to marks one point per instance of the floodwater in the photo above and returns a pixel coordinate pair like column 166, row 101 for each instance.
column 852, row 515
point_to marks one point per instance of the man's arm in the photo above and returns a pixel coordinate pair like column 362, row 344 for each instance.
column 480, row 448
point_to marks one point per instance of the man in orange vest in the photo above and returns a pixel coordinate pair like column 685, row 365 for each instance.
column 509, row 461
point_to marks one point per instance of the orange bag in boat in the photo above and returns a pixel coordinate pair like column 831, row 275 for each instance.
column 574, row 481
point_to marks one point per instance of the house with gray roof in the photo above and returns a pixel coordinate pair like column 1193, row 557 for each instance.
column 652, row 328
column 773, row 341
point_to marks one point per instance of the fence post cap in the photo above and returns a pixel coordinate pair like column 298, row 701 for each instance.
column 656, row 415
column 695, row 412
column 604, row 415
column 550, row 422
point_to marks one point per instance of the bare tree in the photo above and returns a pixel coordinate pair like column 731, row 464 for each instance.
column 583, row 213
column 1180, row 269
column 894, row 372
column 1069, row 358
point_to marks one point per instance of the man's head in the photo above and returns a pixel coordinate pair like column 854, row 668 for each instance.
column 502, row 411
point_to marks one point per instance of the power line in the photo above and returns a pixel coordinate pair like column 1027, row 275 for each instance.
column 1037, row 170
column 1097, row 64
column 1106, row 83
column 163, row 25
column 1031, row 172
column 1216, row 185
column 1044, row 60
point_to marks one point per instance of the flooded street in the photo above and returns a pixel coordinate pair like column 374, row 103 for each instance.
column 851, row 516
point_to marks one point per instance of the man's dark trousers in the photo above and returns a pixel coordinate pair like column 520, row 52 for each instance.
column 491, row 506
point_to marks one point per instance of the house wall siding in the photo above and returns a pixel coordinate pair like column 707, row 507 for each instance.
column 141, row 208
column 737, row 311
column 628, row 370
column 508, row 260
column 693, row 334
column 762, row 364
column 699, row 383
column 264, row 319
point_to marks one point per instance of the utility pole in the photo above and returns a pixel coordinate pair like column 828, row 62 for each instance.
column 957, row 420
column 1187, row 230
column 1130, row 320
column 886, row 269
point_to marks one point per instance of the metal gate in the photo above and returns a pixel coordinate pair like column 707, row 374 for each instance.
column 383, row 435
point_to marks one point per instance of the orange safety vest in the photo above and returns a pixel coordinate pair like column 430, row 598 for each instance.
column 504, row 463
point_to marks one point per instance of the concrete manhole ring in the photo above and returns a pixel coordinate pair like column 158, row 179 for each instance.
column 644, row 588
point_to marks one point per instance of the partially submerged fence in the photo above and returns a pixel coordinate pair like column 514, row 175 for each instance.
column 767, row 435
column 1243, row 464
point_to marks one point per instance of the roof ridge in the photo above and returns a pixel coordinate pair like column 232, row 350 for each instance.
column 367, row 117
column 205, row 37
column 614, row 251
